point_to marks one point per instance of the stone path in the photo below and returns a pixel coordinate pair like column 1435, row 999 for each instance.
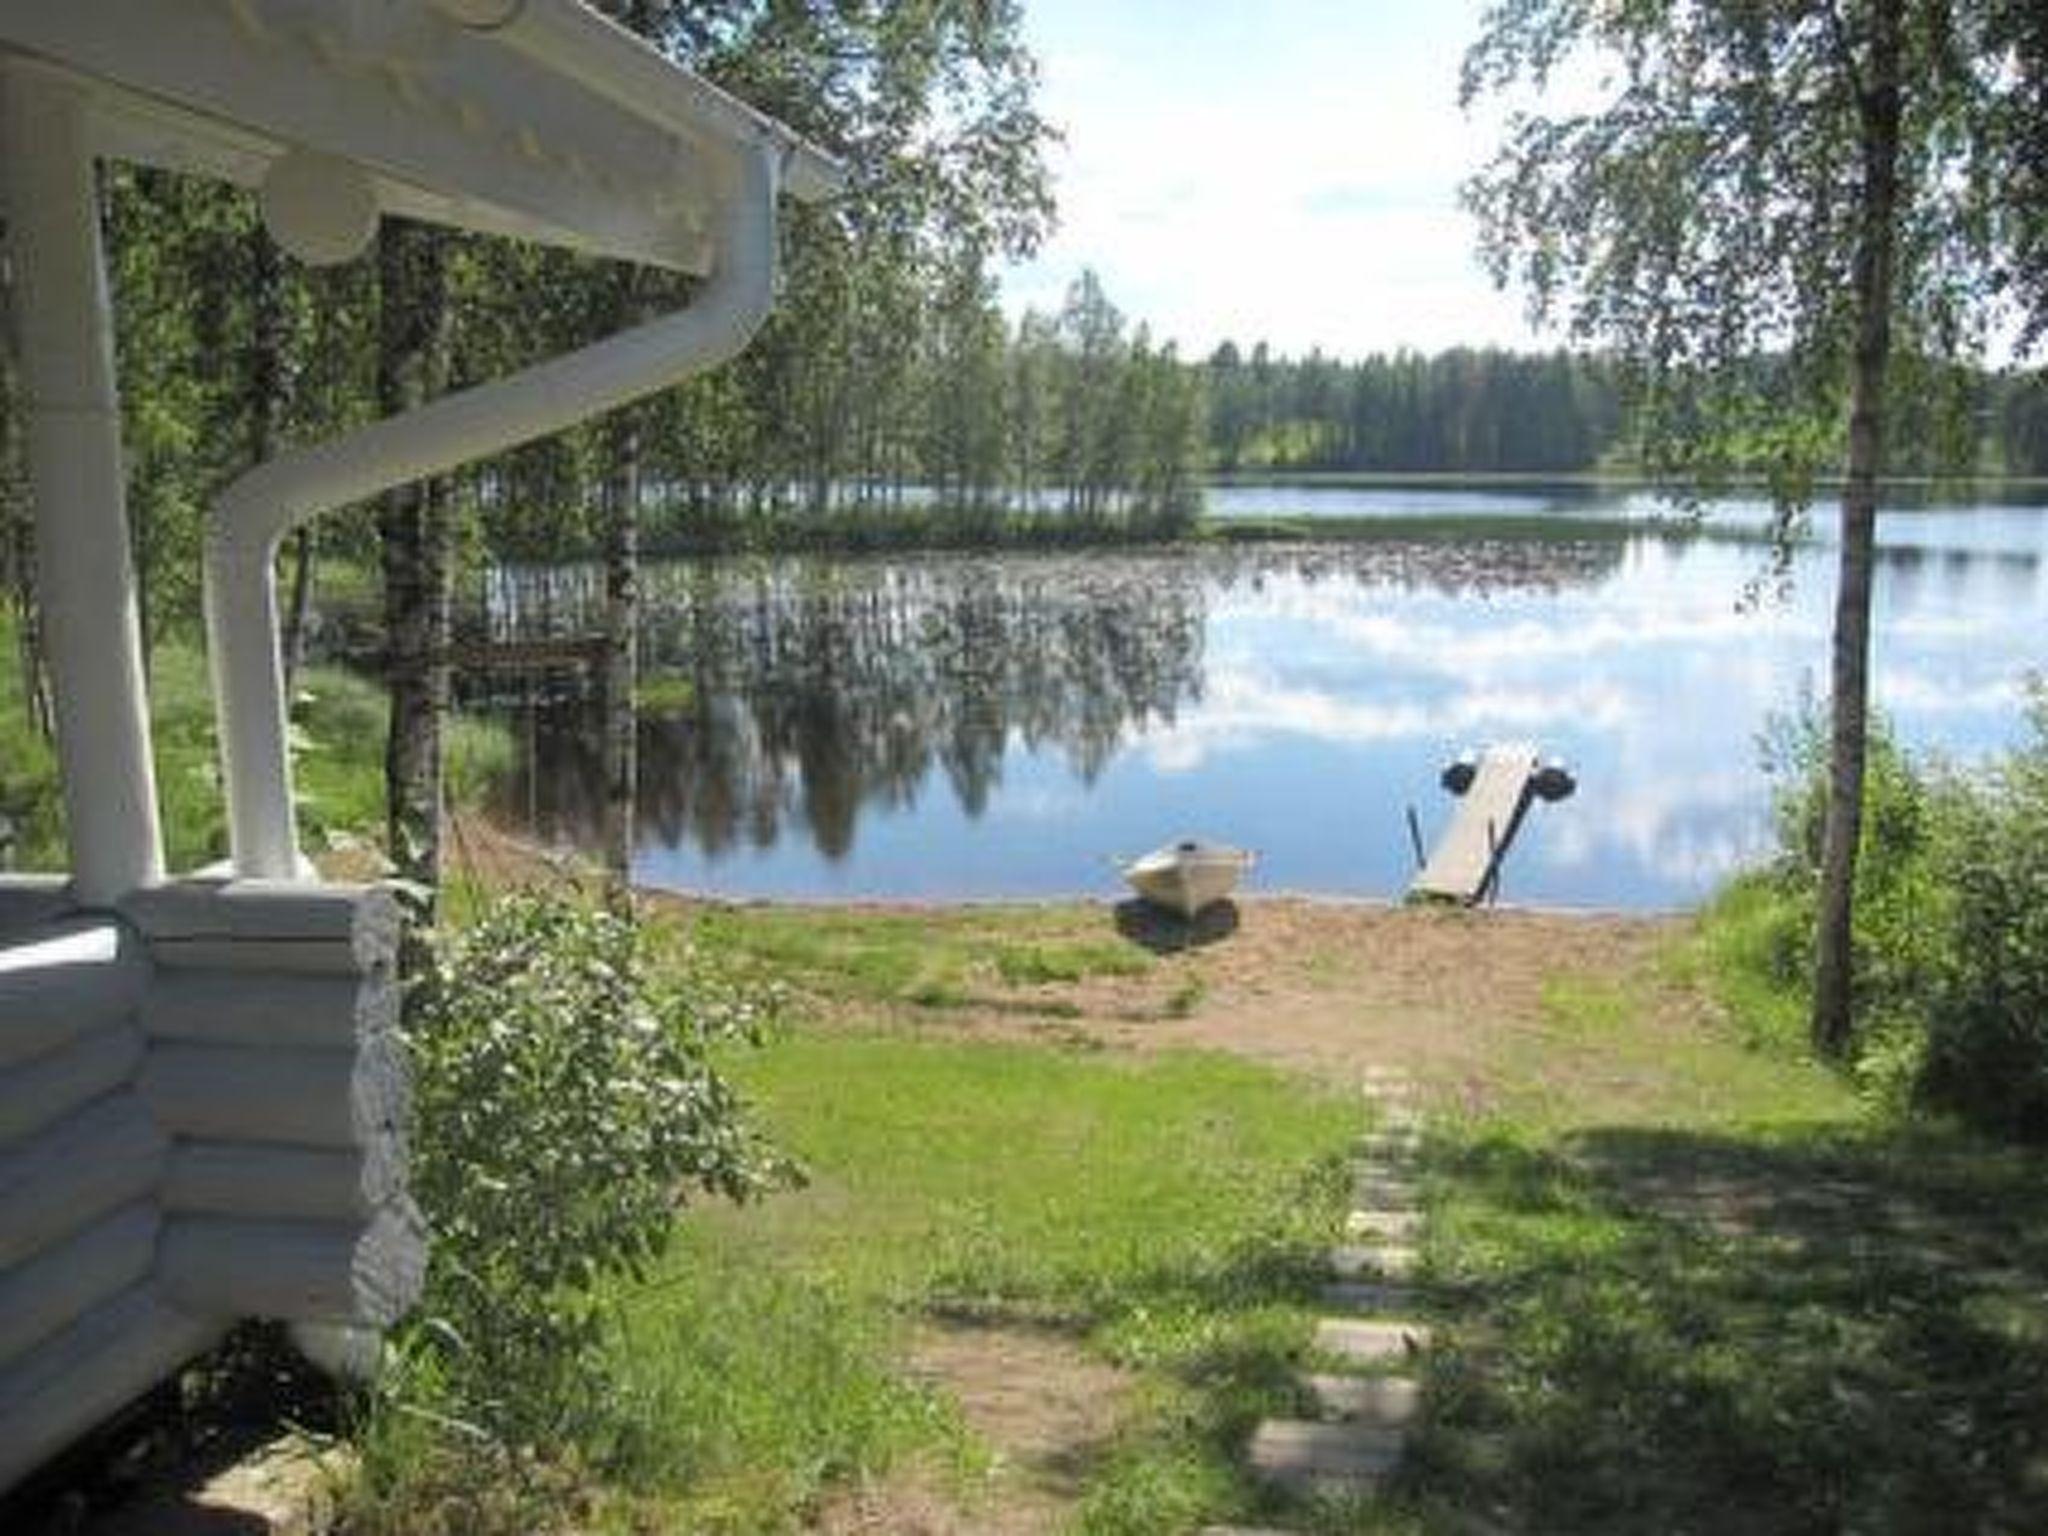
column 1367, row 1393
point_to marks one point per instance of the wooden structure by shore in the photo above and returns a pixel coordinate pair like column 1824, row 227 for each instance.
column 1494, row 790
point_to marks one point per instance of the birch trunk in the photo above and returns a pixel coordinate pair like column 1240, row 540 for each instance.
column 1833, row 1020
column 621, row 630
column 414, row 525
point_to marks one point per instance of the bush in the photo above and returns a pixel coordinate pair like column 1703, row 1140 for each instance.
column 567, row 1104
column 1909, row 807
column 1987, row 1026
column 1951, row 937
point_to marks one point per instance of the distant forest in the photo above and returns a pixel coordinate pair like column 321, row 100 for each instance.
column 1489, row 412
column 1461, row 410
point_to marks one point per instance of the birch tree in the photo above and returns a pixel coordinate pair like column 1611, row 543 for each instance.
column 1782, row 217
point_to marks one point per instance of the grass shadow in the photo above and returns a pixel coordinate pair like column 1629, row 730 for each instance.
column 1682, row 1331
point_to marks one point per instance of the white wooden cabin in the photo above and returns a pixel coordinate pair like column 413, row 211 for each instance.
column 202, row 1105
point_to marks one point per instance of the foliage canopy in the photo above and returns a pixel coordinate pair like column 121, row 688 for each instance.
column 1695, row 210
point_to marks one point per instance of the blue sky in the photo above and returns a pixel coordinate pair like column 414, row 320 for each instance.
column 1282, row 170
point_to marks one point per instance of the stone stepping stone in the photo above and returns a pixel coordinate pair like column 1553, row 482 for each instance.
column 1369, row 1341
column 1370, row 1173
column 1354, row 1261
column 1385, row 1402
column 1382, row 1146
column 1394, row 1226
column 1379, row 1194
column 1311, row 1457
column 1364, row 1296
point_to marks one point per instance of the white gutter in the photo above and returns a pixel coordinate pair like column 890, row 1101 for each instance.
column 253, row 515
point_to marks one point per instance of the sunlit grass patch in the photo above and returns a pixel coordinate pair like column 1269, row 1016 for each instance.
column 1169, row 1211
column 1655, row 1043
column 743, row 1389
column 937, row 958
column 1753, row 951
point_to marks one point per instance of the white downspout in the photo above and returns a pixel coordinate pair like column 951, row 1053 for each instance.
column 255, row 513
column 84, row 576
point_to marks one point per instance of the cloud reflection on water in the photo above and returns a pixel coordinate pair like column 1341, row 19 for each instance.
column 952, row 725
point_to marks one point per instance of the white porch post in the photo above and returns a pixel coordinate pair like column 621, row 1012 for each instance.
column 84, row 576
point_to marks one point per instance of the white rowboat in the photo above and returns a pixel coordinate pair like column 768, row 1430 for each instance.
column 1186, row 877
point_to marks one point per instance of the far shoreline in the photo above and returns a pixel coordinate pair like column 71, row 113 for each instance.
column 499, row 856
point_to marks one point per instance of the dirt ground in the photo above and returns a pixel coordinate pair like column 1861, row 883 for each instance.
column 1046, row 1407
column 1319, row 986
column 1328, row 988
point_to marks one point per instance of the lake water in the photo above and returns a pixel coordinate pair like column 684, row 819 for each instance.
column 954, row 726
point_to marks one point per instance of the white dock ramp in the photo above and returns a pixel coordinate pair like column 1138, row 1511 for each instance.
column 1466, row 860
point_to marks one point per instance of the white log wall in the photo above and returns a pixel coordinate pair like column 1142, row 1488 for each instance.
column 202, row 1113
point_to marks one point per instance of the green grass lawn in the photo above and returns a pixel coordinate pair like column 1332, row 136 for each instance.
column 1682, row 1279
column 1165, row 1213
column 1799, row 1327
column 1765, row 1307
column 935, row 958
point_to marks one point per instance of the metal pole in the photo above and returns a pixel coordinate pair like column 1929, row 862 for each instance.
column 84, row 578
column 1415, row 836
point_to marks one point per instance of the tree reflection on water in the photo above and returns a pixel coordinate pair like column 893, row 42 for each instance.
column 803, row 691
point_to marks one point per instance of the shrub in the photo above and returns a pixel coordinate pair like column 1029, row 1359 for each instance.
column 567, row 1104
column 1951, row 940
column 1900, row 889
column 1987, row 1024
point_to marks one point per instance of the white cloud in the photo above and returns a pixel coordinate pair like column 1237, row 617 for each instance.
column 1288, row 174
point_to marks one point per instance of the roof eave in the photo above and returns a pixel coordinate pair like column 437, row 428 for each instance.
column 605, row 57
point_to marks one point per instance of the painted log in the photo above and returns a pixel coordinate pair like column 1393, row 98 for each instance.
column 297, row 1271
column 230, row 1008
column 214, row 1135
column 45, row 1090
column 28, row 900
column 94, row 1366
column 269, row 925
column 245, row 1179
column 71, row 1277
column 335, row 1099
column 65, row 979
column 105, row 1155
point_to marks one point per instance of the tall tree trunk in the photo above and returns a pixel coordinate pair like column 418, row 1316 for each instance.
column 414, row 525
column 299, row 606
column 1834, row 951
column 28, row 626
column 621, row 632
column 264, row 383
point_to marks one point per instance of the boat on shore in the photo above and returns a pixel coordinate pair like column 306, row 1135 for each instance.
column 1185, row 877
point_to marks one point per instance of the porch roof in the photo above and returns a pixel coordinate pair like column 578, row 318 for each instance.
column 539, row 119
